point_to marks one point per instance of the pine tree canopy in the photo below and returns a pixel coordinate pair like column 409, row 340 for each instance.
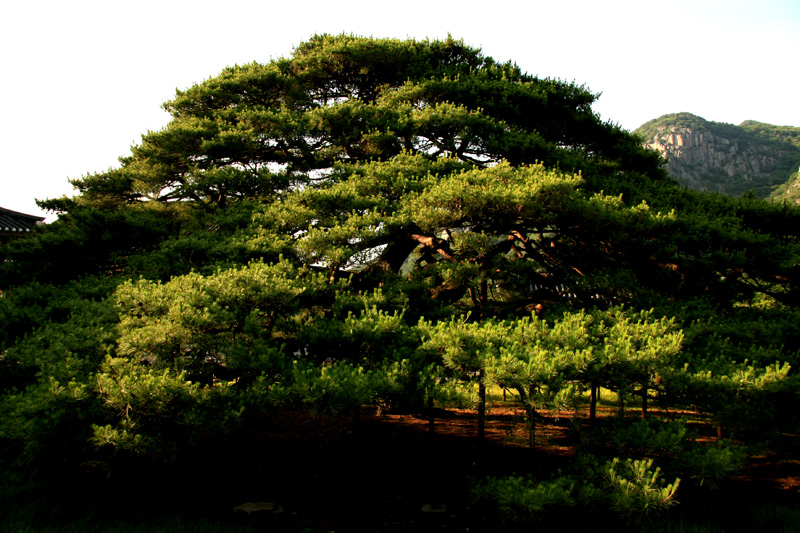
column 356, row 152
column 370, row 220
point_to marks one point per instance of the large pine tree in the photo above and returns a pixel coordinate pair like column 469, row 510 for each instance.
column 320, row 230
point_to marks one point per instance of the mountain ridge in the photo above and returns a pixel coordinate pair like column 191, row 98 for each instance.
column 726, row 158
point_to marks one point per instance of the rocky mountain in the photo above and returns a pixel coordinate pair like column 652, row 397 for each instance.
column 715, row 156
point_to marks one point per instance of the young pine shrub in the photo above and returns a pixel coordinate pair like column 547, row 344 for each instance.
column 709, row 466
column 520, row 499
column 635, row 489
column 632, row 490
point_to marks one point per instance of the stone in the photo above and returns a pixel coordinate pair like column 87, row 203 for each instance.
column 433, row 508
column 257, row 507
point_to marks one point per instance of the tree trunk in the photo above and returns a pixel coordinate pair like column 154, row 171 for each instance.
column 531, row 429
column 530, row 410
column 431, row 417
column 481, row 406
column 484, row 296
column 593, row 402
column 431, row 450
column 481, row 385
column 644, row 402
column 356, row 419
column 395, row 254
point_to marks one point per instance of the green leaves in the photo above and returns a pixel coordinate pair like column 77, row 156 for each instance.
column 633, row 489
column 521, row 500
column 345, row 99
column 276, row 245
column 333, row 388
column 487, row 198
column 225, row 319
column 637, row 489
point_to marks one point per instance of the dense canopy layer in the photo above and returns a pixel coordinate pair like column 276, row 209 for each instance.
column 374, row 220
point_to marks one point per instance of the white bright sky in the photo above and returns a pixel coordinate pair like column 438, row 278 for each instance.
column 82, row 80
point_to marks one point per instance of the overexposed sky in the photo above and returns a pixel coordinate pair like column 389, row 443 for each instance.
column 82, row 80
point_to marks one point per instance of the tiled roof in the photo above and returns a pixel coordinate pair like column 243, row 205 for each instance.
column 13, row 222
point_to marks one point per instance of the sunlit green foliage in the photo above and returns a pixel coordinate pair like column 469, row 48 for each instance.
column 633, row 489
column 395, row 223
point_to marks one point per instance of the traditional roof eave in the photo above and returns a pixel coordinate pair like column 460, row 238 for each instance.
column 14, row 222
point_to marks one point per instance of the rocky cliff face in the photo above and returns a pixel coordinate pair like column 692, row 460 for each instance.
column 710, row 156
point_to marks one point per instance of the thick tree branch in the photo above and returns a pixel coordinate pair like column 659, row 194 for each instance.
column 435, row 244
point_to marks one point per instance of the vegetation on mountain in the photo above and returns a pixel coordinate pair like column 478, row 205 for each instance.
column 397, row 223
column 789, row 190
column 715, row 156
column 782, row 134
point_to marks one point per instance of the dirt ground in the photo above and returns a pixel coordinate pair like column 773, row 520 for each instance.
column 322, row 473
